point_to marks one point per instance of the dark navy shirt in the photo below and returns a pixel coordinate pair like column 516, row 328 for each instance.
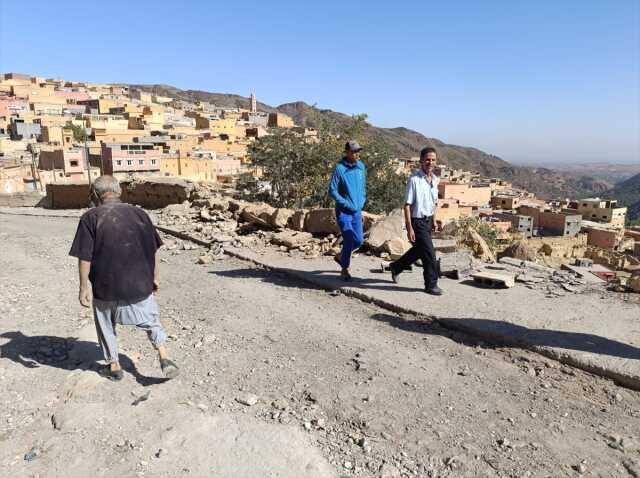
column 121, row 243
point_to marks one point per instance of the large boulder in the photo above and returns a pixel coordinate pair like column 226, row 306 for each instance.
column 321, row 221
column 386, row 229
column 291, row 239
column 296, row 221
column 474, row 241
column 280, row 217
column 520, row 250
column 369, row 219
column 259, row 214
column 396, row 247
column 634, row 283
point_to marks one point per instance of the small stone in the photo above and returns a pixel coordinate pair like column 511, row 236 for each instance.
column 31, row 454
column 203, row 407
column 580, row 468
column 248, row 399
column 618, row 397
column 348, row 465
column 534, row 414
column 320, row 423
column 307, row 426
column 503, row 442
column 205, row 259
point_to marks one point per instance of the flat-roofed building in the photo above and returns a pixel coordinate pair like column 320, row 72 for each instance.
column 131, row 159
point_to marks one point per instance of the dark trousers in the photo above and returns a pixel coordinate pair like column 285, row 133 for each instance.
column 421, row 249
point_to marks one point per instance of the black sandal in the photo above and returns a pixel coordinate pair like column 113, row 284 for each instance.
column 106, row 372
column 169, row 369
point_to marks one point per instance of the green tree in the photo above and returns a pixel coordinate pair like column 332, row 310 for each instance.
column 79, row 133
column 298, row 170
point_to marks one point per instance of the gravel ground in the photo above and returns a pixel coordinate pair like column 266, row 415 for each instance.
column 372, row 393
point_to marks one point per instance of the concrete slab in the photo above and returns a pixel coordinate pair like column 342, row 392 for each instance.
column 587, row 273
column 493, row 279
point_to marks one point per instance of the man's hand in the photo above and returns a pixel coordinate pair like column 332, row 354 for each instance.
column 434, row 226
column 84, row 297
column 156, row 286
column 411, row 235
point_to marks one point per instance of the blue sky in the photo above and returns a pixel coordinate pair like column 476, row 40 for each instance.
column 536, row 82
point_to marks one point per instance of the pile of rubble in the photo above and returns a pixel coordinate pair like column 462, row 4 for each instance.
column 219, row 221
column 224, row 221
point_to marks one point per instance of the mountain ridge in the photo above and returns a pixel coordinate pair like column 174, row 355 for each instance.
column 546, row 183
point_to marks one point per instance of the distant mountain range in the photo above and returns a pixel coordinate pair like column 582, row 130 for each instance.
column 628, row 193
column 546, row 183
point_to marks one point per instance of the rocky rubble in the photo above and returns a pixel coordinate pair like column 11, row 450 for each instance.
column 225, row 221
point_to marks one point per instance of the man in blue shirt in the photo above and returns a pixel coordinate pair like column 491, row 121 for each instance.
column 348, row 188
column 421, row 201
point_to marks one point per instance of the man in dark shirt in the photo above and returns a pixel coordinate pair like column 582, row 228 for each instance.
column 116, row 246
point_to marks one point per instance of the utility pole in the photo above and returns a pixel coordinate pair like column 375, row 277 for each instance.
column 86, row 152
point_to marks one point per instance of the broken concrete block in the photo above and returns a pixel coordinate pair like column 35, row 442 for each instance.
column 321, row 221
column 493, row 279
column 396, row 247
column 369, row 219
column 280, row 217
column 291, row 239
column 510, row 261
column 296, row 221
column 444, row 245
column 455, row 265
column 259, row 214
column 386, row 229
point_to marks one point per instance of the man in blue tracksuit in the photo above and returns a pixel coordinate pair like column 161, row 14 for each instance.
column 348, row 188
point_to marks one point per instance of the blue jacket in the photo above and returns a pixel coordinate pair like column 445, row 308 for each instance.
column 348, row 186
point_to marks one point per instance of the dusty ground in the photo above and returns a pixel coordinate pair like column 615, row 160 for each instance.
column 344, row 388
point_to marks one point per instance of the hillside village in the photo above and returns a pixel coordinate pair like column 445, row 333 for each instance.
column 528, row 365
column 56, row 134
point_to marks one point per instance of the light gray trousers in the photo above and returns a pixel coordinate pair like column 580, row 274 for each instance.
column 143, row 314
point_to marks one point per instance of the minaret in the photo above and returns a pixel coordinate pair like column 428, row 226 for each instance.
column 254, row 103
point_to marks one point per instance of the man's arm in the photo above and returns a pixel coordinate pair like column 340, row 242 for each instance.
column 83, row 271
column 335, row 194
column 409, row 198
column 156, row 274
column 411, row 235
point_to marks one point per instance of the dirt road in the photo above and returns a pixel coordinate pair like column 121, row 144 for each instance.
column 343, row 388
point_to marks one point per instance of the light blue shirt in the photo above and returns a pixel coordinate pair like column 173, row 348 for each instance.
column 422, row 196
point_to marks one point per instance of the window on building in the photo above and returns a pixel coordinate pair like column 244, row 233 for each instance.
column 129, row 162
column 153, row 161
column 119, row 163
column 141, row 162
column 73, row 163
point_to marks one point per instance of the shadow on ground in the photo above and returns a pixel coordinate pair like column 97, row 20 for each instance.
column 507, row 334
column 64, row 353
column 326, row 279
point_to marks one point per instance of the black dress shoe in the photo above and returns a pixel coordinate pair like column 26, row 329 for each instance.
column 395, row 276
column 434, row 290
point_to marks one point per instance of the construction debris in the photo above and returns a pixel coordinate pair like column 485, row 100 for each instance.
column 494, row 279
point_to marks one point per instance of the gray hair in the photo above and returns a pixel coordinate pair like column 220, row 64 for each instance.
column 106, row 184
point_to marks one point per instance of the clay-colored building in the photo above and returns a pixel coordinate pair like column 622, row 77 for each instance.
column 502, row 201
column 132, row 159
column 466, row 193
column 601, row 210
